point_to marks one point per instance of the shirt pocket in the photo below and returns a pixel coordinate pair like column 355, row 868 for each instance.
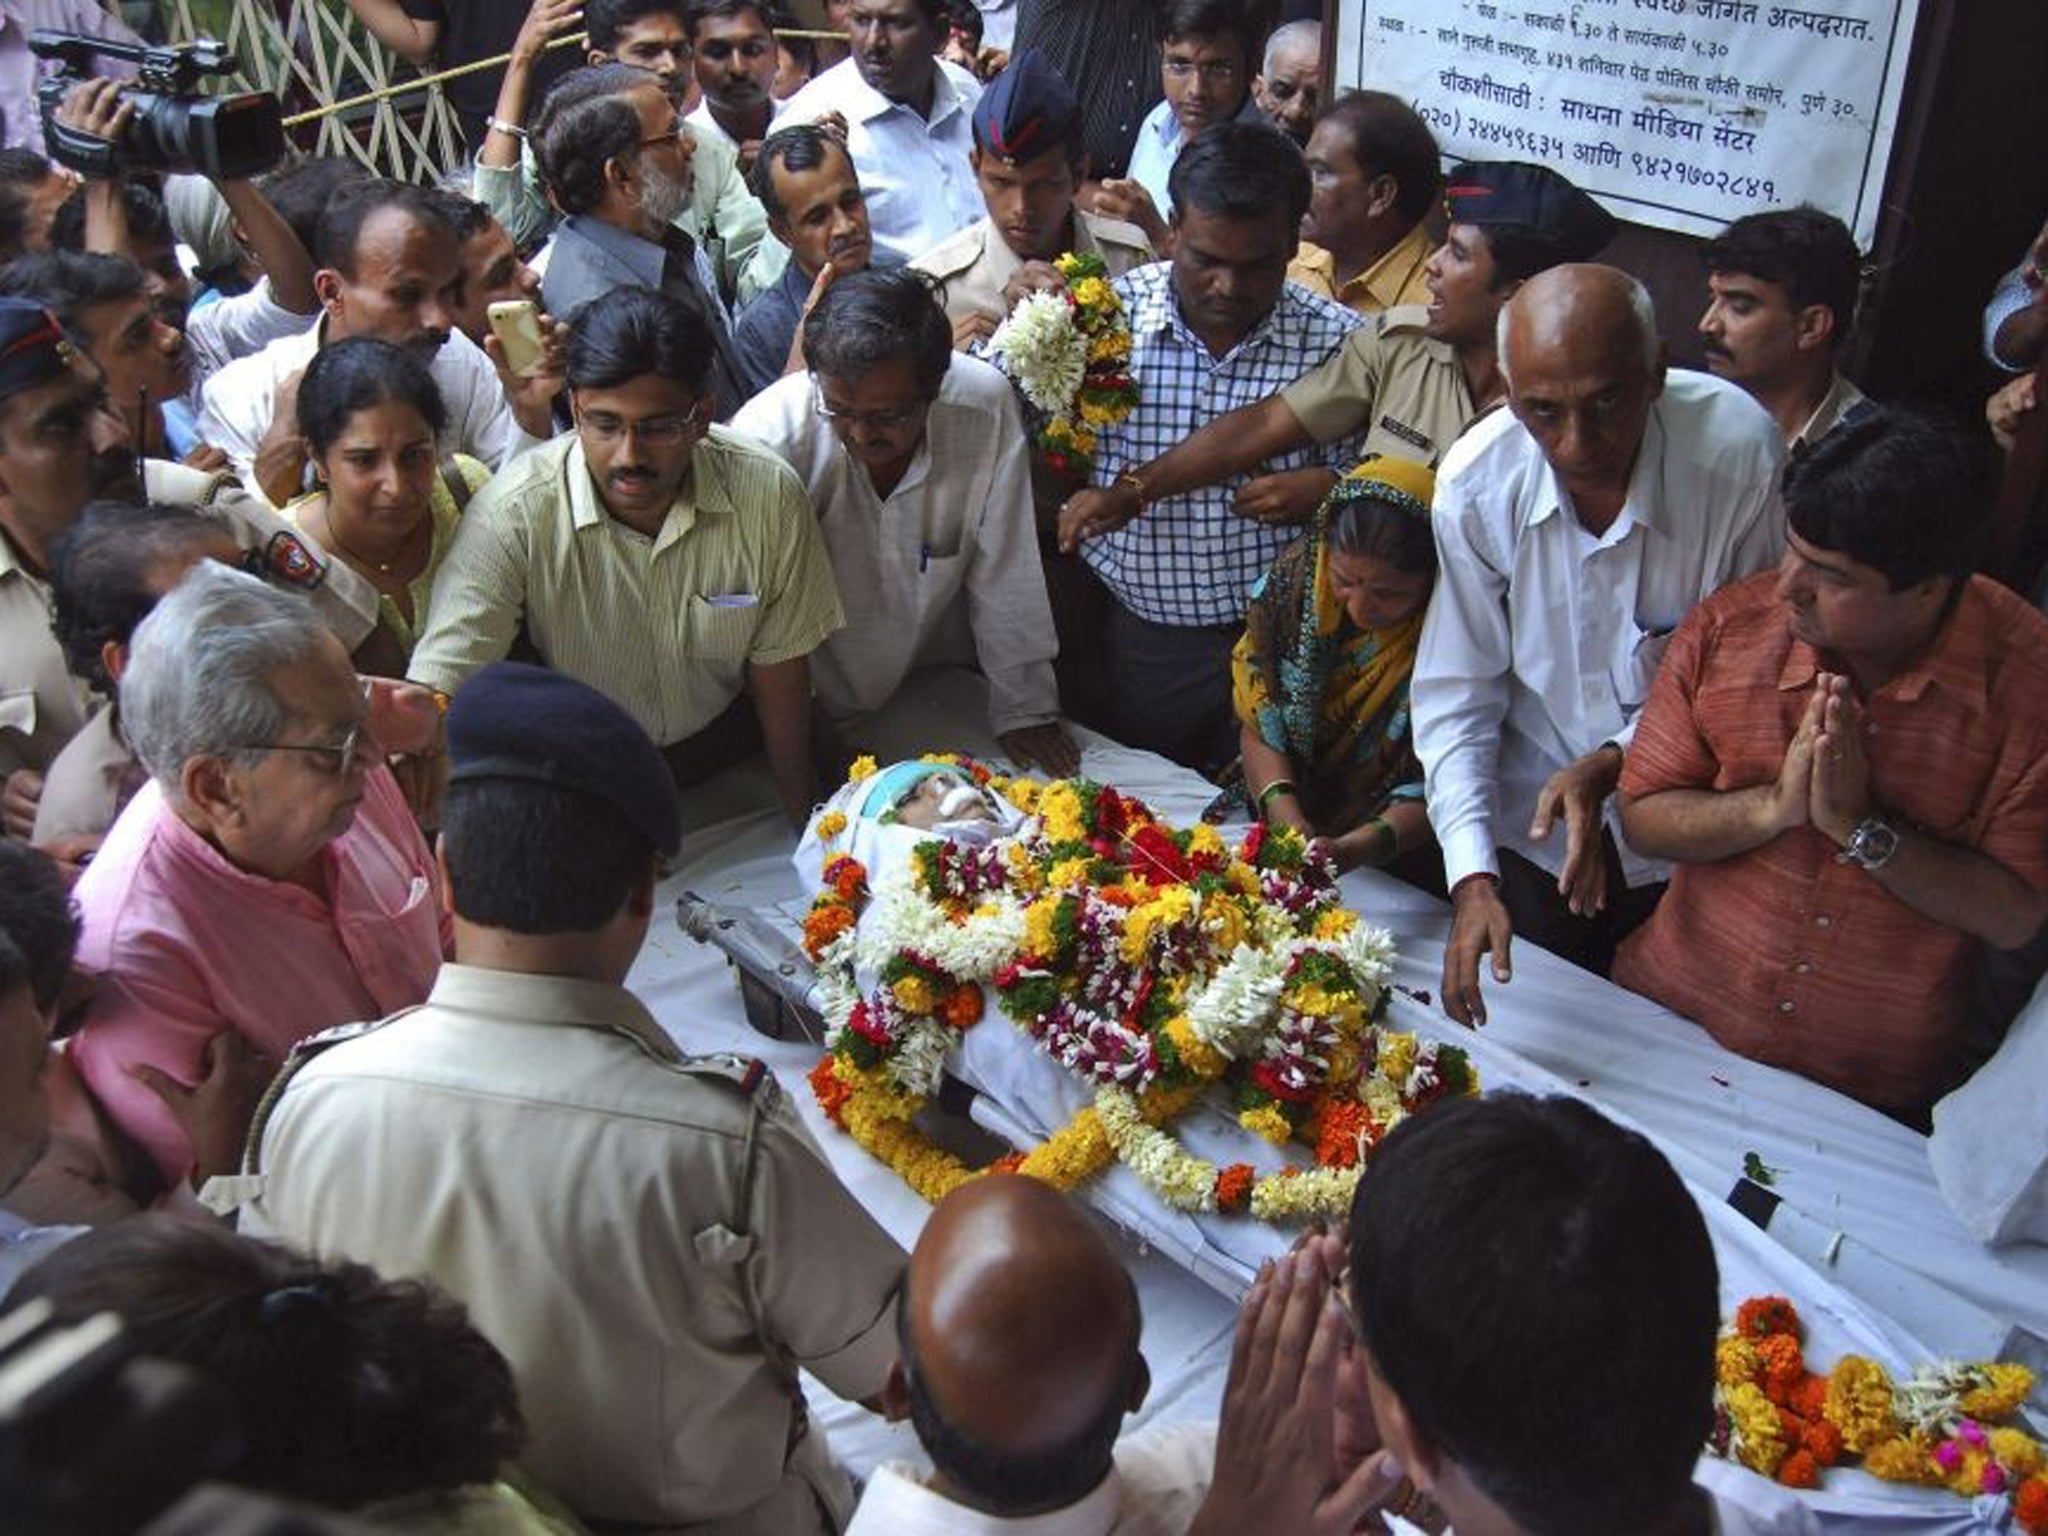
column 1636, row 669
column 720, row 631
column 18, row 710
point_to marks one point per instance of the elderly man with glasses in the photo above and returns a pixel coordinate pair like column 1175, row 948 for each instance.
column 668, row 563
column 269, row 881
column 916, row 460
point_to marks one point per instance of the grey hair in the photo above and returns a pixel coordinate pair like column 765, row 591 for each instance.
column 201, row 669
column 1294, row 32
column 1641, row 306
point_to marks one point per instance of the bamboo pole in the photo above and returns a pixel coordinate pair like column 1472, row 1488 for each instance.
column 475, row 66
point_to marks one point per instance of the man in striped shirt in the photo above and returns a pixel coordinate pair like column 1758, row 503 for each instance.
column 652, row 554
column 1217, row 327
column 1848, row 760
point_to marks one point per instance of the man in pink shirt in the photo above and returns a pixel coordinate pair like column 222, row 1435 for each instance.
column 270, row 879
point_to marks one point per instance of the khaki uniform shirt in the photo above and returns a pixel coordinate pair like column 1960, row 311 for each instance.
column 1403, row 388
column 653, row 1241
column 666, row 626
column 975, row 266
column 88, row 782
column 42, row 705
column 1397, row 278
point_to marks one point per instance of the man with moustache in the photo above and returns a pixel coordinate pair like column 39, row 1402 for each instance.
column 732, row 48
column 1366, row 243
column 806, row 181
column 1844, row 758
column 906, row 113
column 667, row 562
column 1781, row 297
column 387, row 265
column 615, row 155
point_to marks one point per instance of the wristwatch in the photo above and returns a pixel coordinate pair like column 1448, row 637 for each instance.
column 1871, row 845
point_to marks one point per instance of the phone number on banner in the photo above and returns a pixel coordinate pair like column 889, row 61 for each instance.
column 1734, row 183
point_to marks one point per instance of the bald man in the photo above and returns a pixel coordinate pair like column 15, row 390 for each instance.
column 1574, row 531
column 1019, row 1335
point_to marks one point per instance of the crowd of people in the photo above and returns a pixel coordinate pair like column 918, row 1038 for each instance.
column 383, row 566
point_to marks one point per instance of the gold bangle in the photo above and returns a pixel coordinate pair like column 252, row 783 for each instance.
column 1137, row 485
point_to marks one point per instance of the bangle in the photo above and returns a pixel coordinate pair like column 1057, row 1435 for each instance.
column 498, row 124
column 1136, row 485
column 1393, row 837
column 1277, row 787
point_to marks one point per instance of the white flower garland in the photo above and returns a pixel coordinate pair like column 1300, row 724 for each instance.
column 1042, row 348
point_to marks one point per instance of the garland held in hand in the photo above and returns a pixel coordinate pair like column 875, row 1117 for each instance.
column 1069, row 353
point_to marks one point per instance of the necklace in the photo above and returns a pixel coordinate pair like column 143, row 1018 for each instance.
column 381, row 567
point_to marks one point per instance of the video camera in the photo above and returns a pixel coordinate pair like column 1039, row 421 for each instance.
column 174, row 127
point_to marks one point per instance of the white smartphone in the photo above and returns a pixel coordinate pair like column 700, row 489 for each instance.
column 516, row 324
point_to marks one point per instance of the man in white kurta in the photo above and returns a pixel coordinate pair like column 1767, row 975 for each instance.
column 916, row 460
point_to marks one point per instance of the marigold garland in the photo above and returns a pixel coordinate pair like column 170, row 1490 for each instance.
column 1937, row 1428
column 1150, row 962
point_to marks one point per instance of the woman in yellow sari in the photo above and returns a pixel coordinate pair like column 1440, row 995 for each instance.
column 1321, row 672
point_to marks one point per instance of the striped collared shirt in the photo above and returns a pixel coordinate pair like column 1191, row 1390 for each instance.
column 1109, row 52
column 1191, row 560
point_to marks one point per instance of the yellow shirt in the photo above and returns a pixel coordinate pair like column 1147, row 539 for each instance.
column 1395, row 279
column 666, row 626
column 445, row 514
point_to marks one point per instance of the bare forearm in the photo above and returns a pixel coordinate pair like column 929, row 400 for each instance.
column 106, row 219
column 1264, row 765
column 278, row 252
column 782, row 703
column 1232, row 444
column 499, row 147
column 1699, row 826
column 1963, row 889
column 404, row 35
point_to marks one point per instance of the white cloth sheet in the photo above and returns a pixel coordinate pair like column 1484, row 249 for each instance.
column 1892, row 1273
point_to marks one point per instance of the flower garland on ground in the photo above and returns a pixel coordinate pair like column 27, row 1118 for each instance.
column 1069, row 352
column 1148, row 961
column 1942, row 1427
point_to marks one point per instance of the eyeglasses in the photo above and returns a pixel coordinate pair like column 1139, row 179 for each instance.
column 654, row 431
column 678, row 130
column 353, row 750
column 1214, row 71
column 878, row 421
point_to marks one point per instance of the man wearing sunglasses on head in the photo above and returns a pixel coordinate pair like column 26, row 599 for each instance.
column 665, row 561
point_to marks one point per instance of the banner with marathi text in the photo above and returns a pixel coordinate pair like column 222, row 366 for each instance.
column 1682, row 114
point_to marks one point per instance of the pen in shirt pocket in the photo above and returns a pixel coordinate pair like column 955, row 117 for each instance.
column 924, row 558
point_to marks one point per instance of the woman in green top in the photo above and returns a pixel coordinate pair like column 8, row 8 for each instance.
column 1321, row 674
column 387, row 504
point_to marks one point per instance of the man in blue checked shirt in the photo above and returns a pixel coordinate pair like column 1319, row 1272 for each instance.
column 1216, row 327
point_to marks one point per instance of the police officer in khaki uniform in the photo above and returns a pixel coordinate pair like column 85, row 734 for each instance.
column 652, row 1240
column 1413, row 377
column 1028, row 160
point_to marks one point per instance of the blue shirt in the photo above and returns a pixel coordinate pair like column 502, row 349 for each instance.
column 1191, row 560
